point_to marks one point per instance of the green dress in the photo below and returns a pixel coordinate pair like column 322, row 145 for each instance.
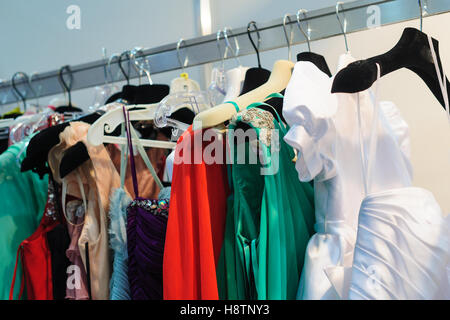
column 22, row 203
column 270, row 215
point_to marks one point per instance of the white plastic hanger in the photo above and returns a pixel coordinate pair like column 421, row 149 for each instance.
column 183, row 83
column 114, row 117
column 278, row 81
column 234, row 77
column 184, row 93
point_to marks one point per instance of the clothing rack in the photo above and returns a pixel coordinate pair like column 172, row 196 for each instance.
column 323, row 23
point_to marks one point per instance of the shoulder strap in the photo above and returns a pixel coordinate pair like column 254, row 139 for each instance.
column 22, row 281
column 123, row 159
column 442, row 79
column 131, row 134
column 367, row 162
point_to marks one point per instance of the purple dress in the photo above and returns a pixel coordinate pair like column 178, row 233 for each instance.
column 146, row 231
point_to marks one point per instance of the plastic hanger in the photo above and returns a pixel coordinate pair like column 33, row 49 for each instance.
column 277, row 82
column 342, row 25
column 166, row 112
column 217, row 87
column 234, row 77
column 177, row 109
column 183, row 83
column 102, row 93
column 116, row 96
column 113, row 118
column 317, row 59
column 412, row 51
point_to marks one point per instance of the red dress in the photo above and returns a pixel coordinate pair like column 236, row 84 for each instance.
column 35, row 256
column 195, row 229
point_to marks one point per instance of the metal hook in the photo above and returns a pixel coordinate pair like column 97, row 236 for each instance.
column 21, row 96
column 218, row 47
column 186, row 59
column 227, row 30
column 288, row 39
column 253, row 23
column 421, row 14
column 105, row 72
column 307, row 37
column 136, row 64
column 127, row 76
column 140, row 67
column 117, row 56
column 66, row 87
column 343, row 27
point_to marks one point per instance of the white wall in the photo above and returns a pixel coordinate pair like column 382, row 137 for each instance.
column 39, row 41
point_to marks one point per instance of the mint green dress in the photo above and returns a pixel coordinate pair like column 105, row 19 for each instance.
column 270, row 214
column 22, row 202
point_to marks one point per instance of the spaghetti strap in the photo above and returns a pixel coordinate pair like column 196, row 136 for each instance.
column 234, row 104
column 22, row 281
column 130, row 148
column 441, row 78
column 131, row 134
column 368, row 160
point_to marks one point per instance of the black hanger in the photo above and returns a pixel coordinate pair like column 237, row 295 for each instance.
column 17, row 91
column 317, row 59
column 142, row 94
column 412, row 51
column 67, row 88
column 254, row 77
column 73, row 157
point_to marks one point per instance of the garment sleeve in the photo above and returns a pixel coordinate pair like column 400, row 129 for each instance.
column 309, row 109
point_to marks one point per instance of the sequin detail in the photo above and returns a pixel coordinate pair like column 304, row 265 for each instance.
column 51, row 203
column 155, row 207
column 260, row 119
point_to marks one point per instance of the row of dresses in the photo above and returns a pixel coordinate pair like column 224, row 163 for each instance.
column 315, row 202
column 362, row 232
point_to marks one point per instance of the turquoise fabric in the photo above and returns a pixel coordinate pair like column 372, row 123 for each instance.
column 22, row 203
column 270, row 217
column 119, row 285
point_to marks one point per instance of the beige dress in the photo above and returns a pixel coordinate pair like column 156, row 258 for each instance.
column 94, row 181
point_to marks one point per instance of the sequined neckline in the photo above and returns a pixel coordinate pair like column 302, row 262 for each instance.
column 156, row 207
column 257, row 118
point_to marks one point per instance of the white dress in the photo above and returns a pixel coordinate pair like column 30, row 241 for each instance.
column 326, row 129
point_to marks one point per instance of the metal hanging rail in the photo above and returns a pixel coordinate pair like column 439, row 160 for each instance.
column 322, row 24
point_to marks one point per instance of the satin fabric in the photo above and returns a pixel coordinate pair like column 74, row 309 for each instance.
column 324, row 130
column 394, row 243
column 270, row 216
column 403, row 244
column 196, row 224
